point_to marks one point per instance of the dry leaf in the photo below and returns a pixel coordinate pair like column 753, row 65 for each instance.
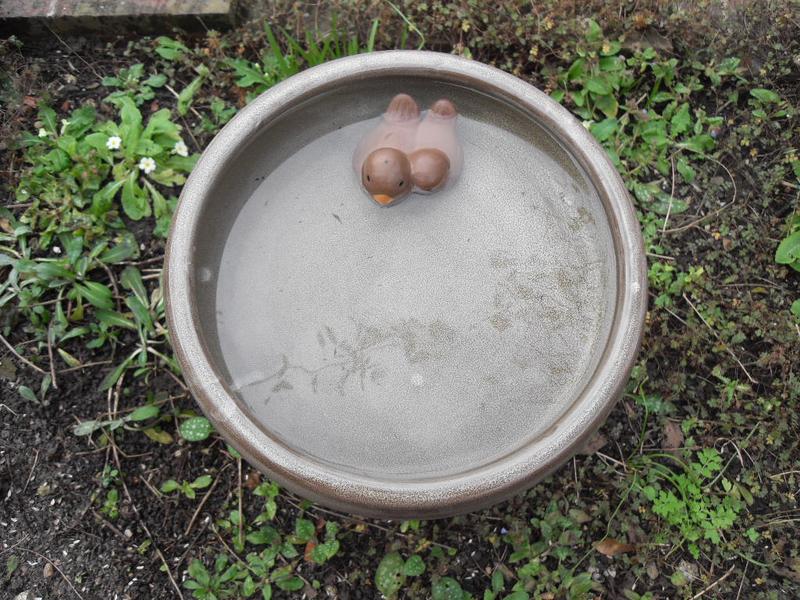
column 652, row 571
column 252, row 480
column 594, row 443
column 309, row 549
column 673, row 436
column 612, row 547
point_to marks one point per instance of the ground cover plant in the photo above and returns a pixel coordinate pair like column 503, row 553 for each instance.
column 113, row 483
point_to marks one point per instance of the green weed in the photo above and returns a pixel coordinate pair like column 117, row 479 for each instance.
column 694, row 499
column 129, row 83
column 170, row 49
column 641, row 108
column 543, row 549
column 393, row 570
column 278, row 63
column 788, row 251
column 273, row 558
column 187, row 488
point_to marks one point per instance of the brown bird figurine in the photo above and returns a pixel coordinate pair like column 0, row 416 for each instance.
column 406, row 153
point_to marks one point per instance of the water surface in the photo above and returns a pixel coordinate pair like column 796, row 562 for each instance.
column 428, row 337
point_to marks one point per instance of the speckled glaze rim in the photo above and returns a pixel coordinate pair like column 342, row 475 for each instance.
column 369, row 496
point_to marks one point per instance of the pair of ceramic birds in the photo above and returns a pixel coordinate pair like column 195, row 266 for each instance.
column 409, row 152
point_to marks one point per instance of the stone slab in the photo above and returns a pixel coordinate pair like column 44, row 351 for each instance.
column 112, row 17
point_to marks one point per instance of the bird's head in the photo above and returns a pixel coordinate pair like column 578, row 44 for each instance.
column 386, row 175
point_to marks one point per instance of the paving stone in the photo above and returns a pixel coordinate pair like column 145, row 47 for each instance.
column 33, row 17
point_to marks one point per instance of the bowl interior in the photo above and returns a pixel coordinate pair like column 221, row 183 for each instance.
column 419, row 341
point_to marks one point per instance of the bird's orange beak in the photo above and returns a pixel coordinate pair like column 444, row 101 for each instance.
column 382, row 199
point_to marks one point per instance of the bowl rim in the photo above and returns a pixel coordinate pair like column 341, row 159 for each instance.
column 369, row 496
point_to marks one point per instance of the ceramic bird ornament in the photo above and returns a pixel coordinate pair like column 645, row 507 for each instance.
column 409, row 152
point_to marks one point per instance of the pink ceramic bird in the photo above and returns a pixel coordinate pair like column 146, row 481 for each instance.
column 405, row 153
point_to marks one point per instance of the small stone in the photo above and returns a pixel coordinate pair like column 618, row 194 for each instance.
column 689, row 570
column 44, row 489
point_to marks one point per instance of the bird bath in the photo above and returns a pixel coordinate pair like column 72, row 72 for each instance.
column 421, row 360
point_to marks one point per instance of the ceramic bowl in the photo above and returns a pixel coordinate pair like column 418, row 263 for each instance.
column 421, row 360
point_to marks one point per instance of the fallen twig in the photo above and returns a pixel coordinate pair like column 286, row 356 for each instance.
column 50, row 356
column 55, row 566
column 671, row 194
column 33, row 468
column 84, row 366
column 20, row 357
column 715, row 584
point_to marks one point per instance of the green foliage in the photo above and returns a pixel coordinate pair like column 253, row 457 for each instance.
column 80, row 169
column 83, row 307
column 696, row 500
column 196, row 429
column 31, row 396
column 414, row 566
column 392, row 572
column 110, row 505
column 542, row 548
column 498, row 585
column 169, row 48
column 12, row 562
column 280, row 62
column 83, row 176
column 270, row 492
column 147, row 412
column 390, row 576
column 131, row 85
column 327, row 549
column 640, row 107
column 186, row 488
column 221, row 113
column 447, row 588
column 669, row 283
column 273, row 559
column 788, row 251
column 223, row 581
column 766, row 104
column 186, row 97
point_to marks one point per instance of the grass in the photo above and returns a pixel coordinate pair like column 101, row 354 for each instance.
column 694, row 473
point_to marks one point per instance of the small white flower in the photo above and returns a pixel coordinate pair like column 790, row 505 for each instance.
column 114, row 142
column 180, row 149
column 56, row 250
column 147, row 164
column 43, row 132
